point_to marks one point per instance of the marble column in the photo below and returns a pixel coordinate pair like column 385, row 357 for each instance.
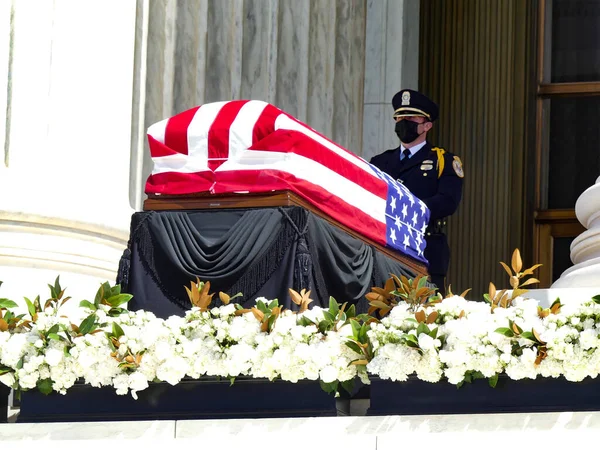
column 64, row 178
column 585, row 249
column 306, row 56
column 392, row 64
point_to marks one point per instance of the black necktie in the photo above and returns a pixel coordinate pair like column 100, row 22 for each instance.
column 405, row 155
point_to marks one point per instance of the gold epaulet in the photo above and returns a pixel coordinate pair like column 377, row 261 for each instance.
column 440, row 156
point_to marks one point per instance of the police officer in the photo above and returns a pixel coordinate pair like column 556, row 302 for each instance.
column 431, row 173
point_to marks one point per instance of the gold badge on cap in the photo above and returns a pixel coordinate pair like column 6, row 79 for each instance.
column 405, row 98
column 457, row 166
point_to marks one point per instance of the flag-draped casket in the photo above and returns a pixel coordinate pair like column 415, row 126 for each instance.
column 250, row 146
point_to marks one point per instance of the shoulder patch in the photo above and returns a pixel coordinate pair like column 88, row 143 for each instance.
column 457, row 166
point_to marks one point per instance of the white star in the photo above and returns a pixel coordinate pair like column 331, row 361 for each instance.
column 419, row 240
column 412, row 200
column 393, row 204
column 423, row 207
column 406, row 242
column 424, row 228
column 393, row 236
column 404, row 210
column 414, row 219
column 400, row 193
column 398, row 223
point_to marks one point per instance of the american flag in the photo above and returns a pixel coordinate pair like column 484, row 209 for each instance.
column 252, row 146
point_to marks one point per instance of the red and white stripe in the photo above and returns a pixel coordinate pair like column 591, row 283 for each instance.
column 252, row 146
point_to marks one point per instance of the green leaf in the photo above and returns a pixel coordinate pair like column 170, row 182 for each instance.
column 334, row 308
column 557, row 301
column 57, row 288
column 356, row 326
column 119, row 299
column 30, row 306
column 528, row 335
column 422, row 328
column 45, row 386
column 596, row 298
column 487, row 298
column 99, row 295
column 20, row 363
column 354, row 347
column 324, row 326
column 274, row 304
column 328, row 316
column 505, row 331
column 88, row 324
column 329, row 387
column 117, row 331
column 54, row 336
column 53, row 329
column 6, row 303
column 231, row 381
column 87, row 304
column 422, row 282
column 410, row 338
column 114, row 312
column 351, row 312
column 434, row 333
column 348, row 385
column 493, row 380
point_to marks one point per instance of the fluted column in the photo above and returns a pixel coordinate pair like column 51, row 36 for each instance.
column 66, row 115
column 585, row 249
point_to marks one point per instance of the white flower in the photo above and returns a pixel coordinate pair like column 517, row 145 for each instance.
column 53, row 357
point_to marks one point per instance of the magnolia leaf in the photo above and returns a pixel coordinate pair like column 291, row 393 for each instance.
column 530, row 270
column 396, row 280
column 296, row 297
column 555, row 308
column 87, row 304
column 518, row 292
column 372, row 296
column 225, row 298
column 530, row 281
column 3, row 325
column 44, row 386
column 30, row 306
column 422, row 281
column 87, row 325
column 543, row 313
column 390, row 285
column 541, row 355
column 379, row 304
column 508, row 271
column 493, row 380
column 258, row 314
column 422, row 328
column 117, row 331
column 334, row 308
column 514, row 282
column 354, row 346
column 432, row 317
column 464, row 293
column 516, row 262
column 516, row 329
column 360, row 362
column 6, row 303
column 492, row 291
column 505, row 331
column 119, row 299
column 462, row 314
column 383, row 311
column 420, row 316
column 537, row 336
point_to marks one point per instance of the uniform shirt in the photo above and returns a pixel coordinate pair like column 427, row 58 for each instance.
column 420, row 175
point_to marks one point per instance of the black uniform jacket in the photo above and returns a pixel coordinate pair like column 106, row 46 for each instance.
column 441, row 194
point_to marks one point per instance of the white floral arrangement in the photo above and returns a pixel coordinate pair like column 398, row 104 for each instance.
column 417, row 334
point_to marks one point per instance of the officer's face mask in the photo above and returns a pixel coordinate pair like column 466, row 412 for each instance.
column 407, row 131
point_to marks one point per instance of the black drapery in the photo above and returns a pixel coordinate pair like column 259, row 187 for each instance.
column 258, row 252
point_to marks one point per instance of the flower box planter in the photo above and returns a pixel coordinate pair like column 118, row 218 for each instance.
column 416, row 397
column 4, row 392
column 207, row 398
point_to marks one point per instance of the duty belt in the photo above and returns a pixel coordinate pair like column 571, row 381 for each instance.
column 437, row 227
